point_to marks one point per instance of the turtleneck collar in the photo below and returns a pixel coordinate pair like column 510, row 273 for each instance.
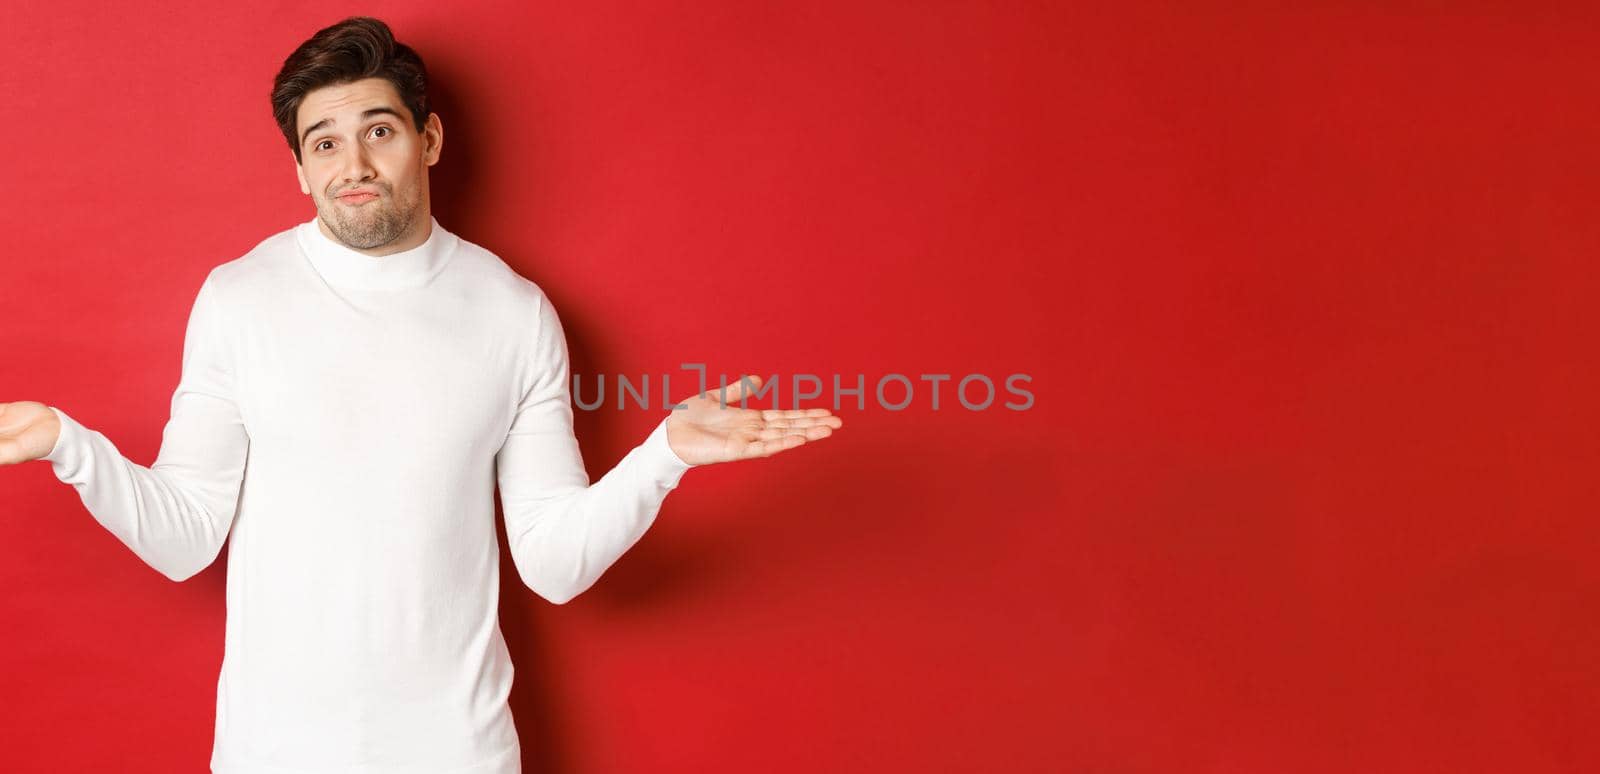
column 347, row 268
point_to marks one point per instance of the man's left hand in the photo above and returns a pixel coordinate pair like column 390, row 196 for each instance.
column 715, row 429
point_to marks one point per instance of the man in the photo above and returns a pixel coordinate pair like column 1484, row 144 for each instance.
column 352, row 390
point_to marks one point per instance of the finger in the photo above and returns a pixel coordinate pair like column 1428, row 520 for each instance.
column 737, row 389
column 731, row 407
column 771, row 433
column 806, row 422
column 794, row 413
column 769, row 448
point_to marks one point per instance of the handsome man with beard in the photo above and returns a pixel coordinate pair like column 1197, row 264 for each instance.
column 353, row 389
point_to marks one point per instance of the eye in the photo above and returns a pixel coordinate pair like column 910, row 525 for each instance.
column 386, row 130
column 324, row 142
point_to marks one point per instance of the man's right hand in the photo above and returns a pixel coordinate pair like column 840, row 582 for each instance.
column 28, row 431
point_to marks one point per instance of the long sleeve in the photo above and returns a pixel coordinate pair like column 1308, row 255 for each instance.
column 565, row 532
column 176, row 513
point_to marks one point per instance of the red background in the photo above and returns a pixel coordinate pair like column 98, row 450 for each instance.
column 1305, row 291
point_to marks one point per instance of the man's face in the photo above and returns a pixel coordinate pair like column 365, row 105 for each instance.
column 364, row 163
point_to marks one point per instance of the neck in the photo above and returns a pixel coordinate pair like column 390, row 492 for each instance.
column 345, row 267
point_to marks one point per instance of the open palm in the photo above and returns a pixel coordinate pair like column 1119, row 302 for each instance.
column 715, row 429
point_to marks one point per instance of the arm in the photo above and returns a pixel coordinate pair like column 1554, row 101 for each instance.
column 176, row 513
column 564, row 532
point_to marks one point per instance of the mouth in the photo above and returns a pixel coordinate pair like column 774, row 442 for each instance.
column 360, row 197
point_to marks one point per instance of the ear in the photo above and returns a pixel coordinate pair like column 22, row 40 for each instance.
column 432, row 139
column 300, row 172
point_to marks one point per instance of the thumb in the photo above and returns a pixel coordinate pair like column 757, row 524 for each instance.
column 737, row 390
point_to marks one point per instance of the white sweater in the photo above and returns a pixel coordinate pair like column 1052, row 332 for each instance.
column 345, row 419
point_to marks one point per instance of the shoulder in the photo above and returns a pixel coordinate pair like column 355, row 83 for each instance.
column 499, row 284
column 523, row 310
column 256, row 268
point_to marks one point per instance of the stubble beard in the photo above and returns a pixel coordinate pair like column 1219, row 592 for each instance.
column 376, row 224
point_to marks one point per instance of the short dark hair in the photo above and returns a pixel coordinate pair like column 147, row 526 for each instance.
column 356, row 48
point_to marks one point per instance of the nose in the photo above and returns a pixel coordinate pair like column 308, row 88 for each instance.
column 357, row 166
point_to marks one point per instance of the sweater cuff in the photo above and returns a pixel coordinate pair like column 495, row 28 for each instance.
column 664, row 463
column 68, row 441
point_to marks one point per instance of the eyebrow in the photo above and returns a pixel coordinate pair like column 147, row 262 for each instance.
column 365, row 114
